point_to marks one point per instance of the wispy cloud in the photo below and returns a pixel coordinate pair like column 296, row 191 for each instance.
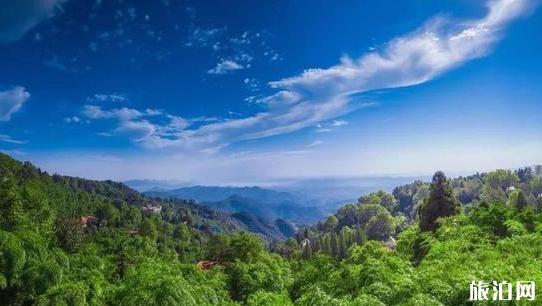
column 320, row 95
column 9, row 139
column 11, row 101
column 72, row 119
column 106, row 98
column 225, row 66
column 438, row 46
column 204, row 37
column 316, row 143
column 252, row 84
column 233, row 51
column 329, row 126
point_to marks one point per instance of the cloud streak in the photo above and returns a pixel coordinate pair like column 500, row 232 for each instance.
column 9, row 139
column 320, row 95
column 438, row 46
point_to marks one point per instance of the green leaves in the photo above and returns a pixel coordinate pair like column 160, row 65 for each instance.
column 268, row 272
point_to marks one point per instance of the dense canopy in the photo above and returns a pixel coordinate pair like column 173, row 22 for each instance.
column 70, row 241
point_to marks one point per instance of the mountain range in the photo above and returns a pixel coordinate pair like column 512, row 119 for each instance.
column 297, row 201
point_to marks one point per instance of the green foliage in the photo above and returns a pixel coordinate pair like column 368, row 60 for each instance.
column 382, row 198
column 49, row 257
column 236, row 246
column 265, row 298
column 160, row 283
column 267, row 272
column 496, row 185
column 440, row 203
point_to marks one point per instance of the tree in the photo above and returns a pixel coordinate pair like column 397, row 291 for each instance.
column 149, row 229
column 69, row 233
column 264, row 298
column 156, row 282
column 525, row 174
column 238, row 246
column 267, row 272
column 440, row 203
column 334, row 244
column 497, row 183
column 107, row 215
column 383, row 198
column 380, row 227
column 406, row 203
column 517, row 200
column 11, row 207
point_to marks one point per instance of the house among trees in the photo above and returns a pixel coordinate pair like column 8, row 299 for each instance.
column 87, row 221
column 206, row 264
column 305, row 242
column 538, row 170
column 152, row 208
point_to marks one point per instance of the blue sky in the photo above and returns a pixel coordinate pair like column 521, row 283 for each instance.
column 222, row 92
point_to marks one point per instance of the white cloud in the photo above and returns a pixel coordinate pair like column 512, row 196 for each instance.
column 11, row 101
column 252, row 84
column 9, row 139
column 325, row 127
column 139, row 130
column 418, row 57
column 137, row 125
column 106, row 98
column 204, row 37
column 323, row 130
column 72, row 119
column 316, row 143
column 317, row 96
column 339, row 122
column 225, row 66
column 96, row 112
column 17, row 17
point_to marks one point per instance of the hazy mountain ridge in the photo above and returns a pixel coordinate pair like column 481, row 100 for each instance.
column 301, row 201
column 265, row 203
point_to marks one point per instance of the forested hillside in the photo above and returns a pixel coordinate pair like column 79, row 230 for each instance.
column 70, row 241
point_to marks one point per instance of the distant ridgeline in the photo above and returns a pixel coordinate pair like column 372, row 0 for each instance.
column 265, row 203
column 71, row 241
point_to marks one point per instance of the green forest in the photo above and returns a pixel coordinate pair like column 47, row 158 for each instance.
column 72, row 241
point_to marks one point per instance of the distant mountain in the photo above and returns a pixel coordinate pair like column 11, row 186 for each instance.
column 156, row 185
column 328, row 194
column 219, row 193
column 264, row 203
column 278, row 230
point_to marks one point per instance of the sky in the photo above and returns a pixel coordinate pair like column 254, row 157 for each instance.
column 248, row 92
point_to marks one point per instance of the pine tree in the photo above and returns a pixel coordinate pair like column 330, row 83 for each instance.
column 341, row 251
column 326, row 244
column 334, row 243
column 440, row 203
